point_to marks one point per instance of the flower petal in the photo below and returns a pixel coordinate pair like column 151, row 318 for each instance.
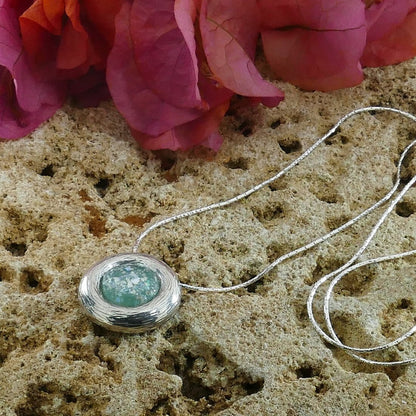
column 202, row 131
column 392, row 33
column 140, row 101
column 315, row 45
column 90, row 89
column 164, row 49
column 229, row 36
column 64, row 39
column 25, row 101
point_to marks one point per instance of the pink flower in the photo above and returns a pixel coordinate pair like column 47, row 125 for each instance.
column 314, row 44
column 68, row 36
column 391, row 36
column 25, row 100
column 229, row 37
column 168, row 74
column 70, row 40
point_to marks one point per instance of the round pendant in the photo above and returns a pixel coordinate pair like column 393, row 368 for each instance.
column 130, row 293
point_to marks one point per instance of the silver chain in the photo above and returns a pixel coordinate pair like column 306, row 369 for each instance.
column 336, row 275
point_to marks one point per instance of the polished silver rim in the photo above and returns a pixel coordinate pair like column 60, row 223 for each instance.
column 130, row 319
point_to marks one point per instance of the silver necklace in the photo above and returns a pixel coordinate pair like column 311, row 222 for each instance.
column 135, row 292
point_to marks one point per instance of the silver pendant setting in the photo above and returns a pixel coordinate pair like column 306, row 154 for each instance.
column 130, row 293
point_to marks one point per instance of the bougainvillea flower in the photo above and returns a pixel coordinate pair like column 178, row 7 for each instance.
column 25, row 101
column 144, row 100
column 173, row 92
column 201, row 131
column 391, row 36
column 229, row 35
column 314, row 44
column 90, row 89
column 68, row 36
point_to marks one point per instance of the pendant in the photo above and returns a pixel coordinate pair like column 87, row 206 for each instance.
column 130, row 293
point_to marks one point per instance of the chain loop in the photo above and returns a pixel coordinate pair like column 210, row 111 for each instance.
column 335, row 276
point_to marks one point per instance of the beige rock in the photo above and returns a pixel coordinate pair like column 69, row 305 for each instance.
column 79, row 189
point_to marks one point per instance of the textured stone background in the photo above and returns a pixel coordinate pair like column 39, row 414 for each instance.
column 80, row 189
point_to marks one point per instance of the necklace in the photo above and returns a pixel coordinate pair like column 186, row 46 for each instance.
column 134, row 292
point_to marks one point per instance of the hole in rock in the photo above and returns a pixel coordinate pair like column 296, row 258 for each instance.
column 200, row 382
column 256, row 286
column 102, row 186
column 371, row 391
column 306, row 371
column 275, row 124
column 404, row 304
column 192, row 385
column 245, row 128
column 240, row 163
column 48, row 171
column 167, row 158
column 47, row 399
column 70, row 398
column 253, row 387
column 163, row 407
column 290, row 145
column 34, row 281
column 17, row 249
column 404, row 209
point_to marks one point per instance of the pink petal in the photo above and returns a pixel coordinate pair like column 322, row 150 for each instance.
column 25, row 101
column 214, row 142
column 213, row 93
column 312, row 14
column 185, row 14
column 392, row 33
column 11, row 44
column 383, row 17
column 202, row 131
column 90, row 89
column 314, row 44
column 164, row 48
column 229, row 34
column 146, row 100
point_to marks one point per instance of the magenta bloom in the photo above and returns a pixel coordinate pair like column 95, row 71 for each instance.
column 391, row 36
column 229, row 37
column 172, row 75
column 172, row 66
column 25, row 101
column 314, row 44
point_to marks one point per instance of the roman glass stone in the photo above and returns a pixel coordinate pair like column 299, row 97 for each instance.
column 129, row 284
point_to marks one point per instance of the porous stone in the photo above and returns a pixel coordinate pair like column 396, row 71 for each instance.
column 79, row 189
